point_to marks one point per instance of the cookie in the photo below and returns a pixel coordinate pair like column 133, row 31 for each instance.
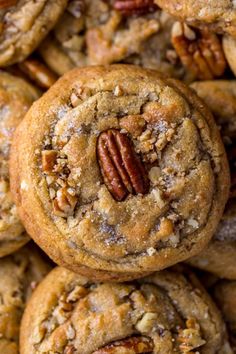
column 225, row 296
column 104, row 32
column 218, row 16
column 23, row 25
column 120, row 171
column 19, row 275
column 168, row 312
column 219, row 256
column 16, row 96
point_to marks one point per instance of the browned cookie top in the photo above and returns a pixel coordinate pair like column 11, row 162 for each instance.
column 19, row 275
column 168, row 312
column 23, row 24
column 16, row 96
column 219, row 15
column 118, row 169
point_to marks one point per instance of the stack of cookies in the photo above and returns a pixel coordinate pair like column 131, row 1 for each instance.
column 118, row 159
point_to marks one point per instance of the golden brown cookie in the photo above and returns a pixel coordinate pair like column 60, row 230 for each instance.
column 19, row 275
column 102, row 32
column 219, row 16
column 168, row 312
column 220, row 255
column 24, row 24
column 225, row 295
column 117, row 171
column 16, row 96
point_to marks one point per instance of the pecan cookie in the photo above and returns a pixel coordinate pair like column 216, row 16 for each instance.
column 116, row 169
column 168, row 312
column 219, row 257
column 24, row 24
column 224, row 293
column 19, row 275
column 16, row 96
column 102, row 32
column 219, row 16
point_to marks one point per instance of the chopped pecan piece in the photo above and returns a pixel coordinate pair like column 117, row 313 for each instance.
column 122, row 170
column 190, row 338
column 200, row 51
column 64, row 203
column 135, row 7
column 134, row 124
column 7, row 3
column 132, row 345
column 38, row 72
column 49, row 158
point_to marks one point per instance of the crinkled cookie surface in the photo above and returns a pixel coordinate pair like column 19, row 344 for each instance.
column 220, row 16
column 168, row 312
column 16, row 96
column 19, row 275
column 124, row 168
column 24, row 24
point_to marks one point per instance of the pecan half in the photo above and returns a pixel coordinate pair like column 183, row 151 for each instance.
column 199, row 50
column 134, row 7
column 122, row 170
column 7, row 3
column 38, row 72
column 132, row 345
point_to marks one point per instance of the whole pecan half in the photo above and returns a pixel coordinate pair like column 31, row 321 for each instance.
column 199, row 50
column 133, row 344
column 134, row 7
column 122, row 169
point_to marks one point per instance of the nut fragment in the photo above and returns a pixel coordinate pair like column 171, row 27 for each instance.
column 64, row 203
column 122, row 170
column 132, row 345
column 199, row 50
column 134, row 7
column 7, row 3
column 134, row 124
column 190, row 338
column 48, row 160
column 38, row 72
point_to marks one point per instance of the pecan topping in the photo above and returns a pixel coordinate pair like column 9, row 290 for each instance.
column 122, row 170
column 64, row 203
column 190, row 338
column 135, row 7
column 134, row 344
column 199, row 50
column 49, row 158
column 7, row 3
column 38, row 72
